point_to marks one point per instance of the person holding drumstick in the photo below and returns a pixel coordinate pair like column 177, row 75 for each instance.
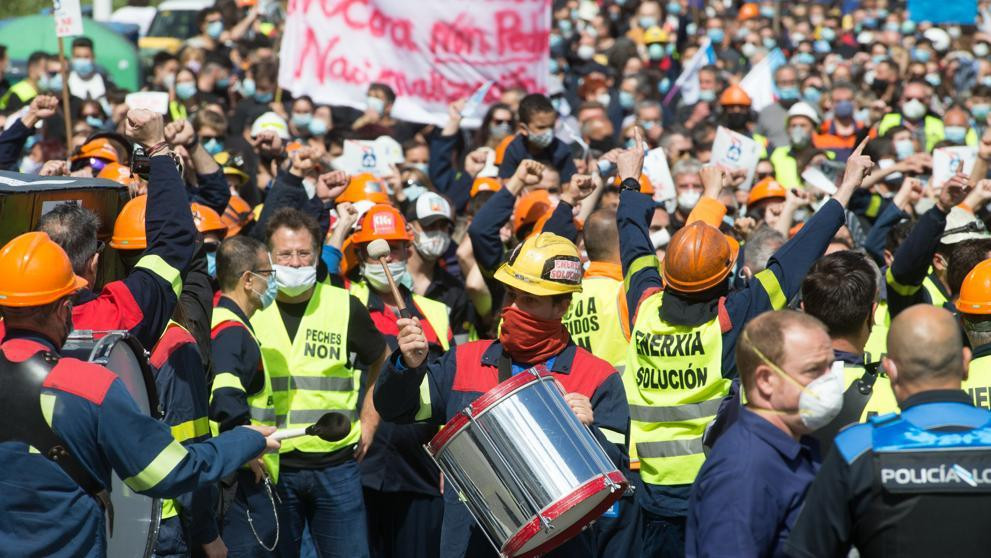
column 540, row 277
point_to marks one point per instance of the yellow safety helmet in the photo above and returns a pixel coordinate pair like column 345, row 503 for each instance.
column 545, row 264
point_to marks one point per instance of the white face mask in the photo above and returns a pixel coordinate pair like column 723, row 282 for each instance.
column 687, row 200
column 660, row 238
column 914, row 109
column 376, row 278
column 432, row 244
column 294, row 281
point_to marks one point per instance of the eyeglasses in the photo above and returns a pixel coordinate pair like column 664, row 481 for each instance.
column 288, row 255
column 266, row 273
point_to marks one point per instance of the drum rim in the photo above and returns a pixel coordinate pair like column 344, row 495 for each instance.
column 563, row 504
column 482, row 403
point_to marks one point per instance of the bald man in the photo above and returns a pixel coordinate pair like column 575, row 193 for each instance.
column 911, row 484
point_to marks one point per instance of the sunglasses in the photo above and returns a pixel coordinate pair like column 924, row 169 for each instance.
column 498, row 122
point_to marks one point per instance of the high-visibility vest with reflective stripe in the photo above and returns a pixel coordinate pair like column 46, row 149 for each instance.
column 437, row 313
column 932, row 128
column 261, row 405
column 311, row 374
column 24, row 91
column 882, row 399
column 935, row 293
column 786, row 166
column 978, row 382
column 674, row 384
column 594, row 321
column 877, row 343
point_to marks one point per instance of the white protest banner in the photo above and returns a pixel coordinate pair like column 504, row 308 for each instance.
column 735, row 151
column 947, row 159
column 68, row 18
column 431, row 52
column 759, row 81
column 370, row 156
column 655, row 166
column 155, row 101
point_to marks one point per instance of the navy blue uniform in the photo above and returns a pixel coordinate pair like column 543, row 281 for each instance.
column 44, row 512
column 557, row 155
column 12, row 142
column 446, row 178
column 911, row 265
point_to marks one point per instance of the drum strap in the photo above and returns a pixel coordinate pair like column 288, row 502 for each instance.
column 505, row 366
column 23, row 421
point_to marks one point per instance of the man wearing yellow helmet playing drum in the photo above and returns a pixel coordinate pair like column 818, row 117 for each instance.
column 540, row 277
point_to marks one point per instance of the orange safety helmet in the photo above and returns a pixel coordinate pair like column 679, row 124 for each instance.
column 36, row 271
column 381, row 221
column 116, row 172
column 100, row 148
column 364, row 186
column 646, row 186
column 734, row 95
column 237, row 215
column 748, row 11
column 975, row 292
column 698, row 258
column 485, row 184
column 532, row 208
column 767, row 188
column 129, row 228
column 207, row 220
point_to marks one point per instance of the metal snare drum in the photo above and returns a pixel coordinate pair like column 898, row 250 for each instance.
column 530, row 472
column 136, row 516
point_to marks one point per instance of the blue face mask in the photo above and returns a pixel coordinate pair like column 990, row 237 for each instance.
column 185, row 90
column 828, row 34
column 94, row 121
column 247, row 87
column 302, row 119
column 211, row 263
column 812, row 95
column 664, row 85
column 213, row 146
column 891, row 26
column 769, row 42
column 647, row 22
column 707, row 95
column 843, row 109
column 921, row 55
column 552, row 66
column 223, row 83
column 565, row 26
column 55, row 83
column 214, row 29
column 673, row 8
column 267, row 297
column 822, row 46
column 788, row 93
column 82, row 66
column 264, row 97
column 556, row 41
column 908, row 27
column 767, row 11
column 805, row 58
column 414, row 191
column 318, row 126
column 626, row 100
column 716, row 35
column 980, row 111
column 955, row 134
column 933, row 79
column 655, row 51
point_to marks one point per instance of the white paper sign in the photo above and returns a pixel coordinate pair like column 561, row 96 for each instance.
column 655, row 166
column 947, row 159
column 736, row 151
column 370, row 156
column 817, row 179
column 68, row 18
column 155, row 101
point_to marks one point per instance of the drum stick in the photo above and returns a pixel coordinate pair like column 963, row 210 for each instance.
column 331, row 427
column 378, row 249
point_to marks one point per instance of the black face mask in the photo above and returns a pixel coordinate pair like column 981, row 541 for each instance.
column 736, row 120
column 879, row 86
column 603, row 145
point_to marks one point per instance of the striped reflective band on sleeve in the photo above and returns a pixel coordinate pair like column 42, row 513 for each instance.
column 159, row 468
column 48, row 407
column 425, row 410
column 191, row 429
column 226, row 380
column 903, row 290
column 873, row 206
column 772, row 287
column 639, row 264
column 160, row 267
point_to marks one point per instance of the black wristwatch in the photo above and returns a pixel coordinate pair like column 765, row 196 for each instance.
column 630, row 184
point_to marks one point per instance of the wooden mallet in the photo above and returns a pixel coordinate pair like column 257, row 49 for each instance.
column 331, row 427
column 378, row 249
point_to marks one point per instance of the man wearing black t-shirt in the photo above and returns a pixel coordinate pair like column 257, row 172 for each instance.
column 313, row 340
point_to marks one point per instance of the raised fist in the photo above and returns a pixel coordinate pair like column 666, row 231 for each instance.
column 145, row 127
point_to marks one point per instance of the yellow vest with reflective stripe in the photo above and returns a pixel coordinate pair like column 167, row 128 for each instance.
column 935, row 294
column 932, row 128
column 593, row 320
column 311, row 374
column 978, row 382
column 168, row 504
column 177, row 111
column 882, row 399
column 261, row 405
column 24, row 91
column 786, row 167
column 674, row 385
column 877, row 343
column 436, row 313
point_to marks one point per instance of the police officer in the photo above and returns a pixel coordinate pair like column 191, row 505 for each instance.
column 540, row 276
column 86, row 420
column 241, row 392
column 313, row 339
column 909, row 484
column 680, row 363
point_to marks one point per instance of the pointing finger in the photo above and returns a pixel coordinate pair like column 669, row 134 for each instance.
column 860, row 148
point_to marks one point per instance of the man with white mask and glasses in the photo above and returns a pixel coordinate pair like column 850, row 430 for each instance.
column 313, row 340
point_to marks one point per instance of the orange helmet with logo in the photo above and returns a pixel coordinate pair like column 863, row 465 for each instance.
column 36, row 271
column 207, row 220
column 381, row 221
column 237, row 215
column 100, row 148
column 129, row 228
column 364, row 186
